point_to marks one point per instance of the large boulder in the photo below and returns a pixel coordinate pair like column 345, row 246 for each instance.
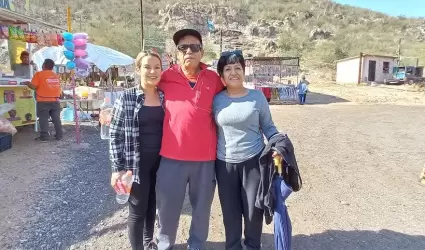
column 319, row 34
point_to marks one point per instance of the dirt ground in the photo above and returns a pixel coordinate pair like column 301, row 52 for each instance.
column 360, row 164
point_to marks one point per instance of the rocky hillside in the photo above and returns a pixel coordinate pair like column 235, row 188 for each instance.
column 320, row 31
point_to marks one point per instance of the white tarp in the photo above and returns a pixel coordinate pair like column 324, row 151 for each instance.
column 102, row 57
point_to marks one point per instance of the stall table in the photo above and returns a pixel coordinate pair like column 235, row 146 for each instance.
column 280, row 93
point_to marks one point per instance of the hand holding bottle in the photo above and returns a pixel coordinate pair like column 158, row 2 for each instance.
column 115, row 177
column 123, row 187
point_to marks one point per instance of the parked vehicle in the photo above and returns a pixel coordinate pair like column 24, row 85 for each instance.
column 406, row 75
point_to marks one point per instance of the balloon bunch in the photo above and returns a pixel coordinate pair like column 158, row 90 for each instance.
column 75, row 51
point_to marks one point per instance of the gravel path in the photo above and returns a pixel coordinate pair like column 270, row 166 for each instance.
column 360, row 165
column 71, row 195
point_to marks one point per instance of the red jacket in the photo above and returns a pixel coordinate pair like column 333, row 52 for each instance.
column 189, row 129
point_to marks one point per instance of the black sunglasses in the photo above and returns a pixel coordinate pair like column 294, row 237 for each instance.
column 193, row 47
column 237, row 52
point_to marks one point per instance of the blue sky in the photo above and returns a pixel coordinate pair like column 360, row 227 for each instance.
column 408, row 8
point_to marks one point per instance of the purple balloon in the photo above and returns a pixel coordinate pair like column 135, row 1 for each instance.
column 81, row 36
column 81, row 63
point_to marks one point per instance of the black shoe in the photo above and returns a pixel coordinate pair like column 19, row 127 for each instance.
column 42, row 139
column 151, row 246
column 58, row 138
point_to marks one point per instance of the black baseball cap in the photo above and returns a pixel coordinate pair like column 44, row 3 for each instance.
column 186, row 32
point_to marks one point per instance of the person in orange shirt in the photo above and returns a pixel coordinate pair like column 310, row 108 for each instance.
column 46, row 84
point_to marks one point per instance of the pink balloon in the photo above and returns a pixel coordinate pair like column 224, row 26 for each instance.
column 80, row 53
column 80, row 42
column 81, row 63
column 81, row 36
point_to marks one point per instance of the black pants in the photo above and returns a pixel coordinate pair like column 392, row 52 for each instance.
column 237, row 190
column 45, row 110
column 142, row 203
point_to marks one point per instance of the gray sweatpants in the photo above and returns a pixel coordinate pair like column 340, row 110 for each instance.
column 45, row 110
column 173, row 177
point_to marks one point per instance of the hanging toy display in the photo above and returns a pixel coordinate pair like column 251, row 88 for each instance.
column 40, row 38
column 28, row 36
column 4, row 32
column 53, row 39
column 21, row 34
column 34, row 37
column 60, row 39
column 75, row 51
column 47, row 39
column 13, row 33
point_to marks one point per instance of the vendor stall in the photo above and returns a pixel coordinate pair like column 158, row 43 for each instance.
column 17, row 36
column 102, row 57
column 110, row 62
column 14, row 91
column 275, row 76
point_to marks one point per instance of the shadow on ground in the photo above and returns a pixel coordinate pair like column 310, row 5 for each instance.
column 338, row 240
column 319, row 98
column 75, row 201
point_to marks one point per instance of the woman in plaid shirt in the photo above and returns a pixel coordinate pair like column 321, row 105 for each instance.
column 136, row 134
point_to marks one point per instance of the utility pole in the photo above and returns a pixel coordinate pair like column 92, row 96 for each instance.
column 79, row 14
column 141, row 26
column 81, row 29
column 399, row 51
column 359, row 79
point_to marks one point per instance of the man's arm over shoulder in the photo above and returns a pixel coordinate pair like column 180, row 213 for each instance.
column 165, row 79
column 219, row 86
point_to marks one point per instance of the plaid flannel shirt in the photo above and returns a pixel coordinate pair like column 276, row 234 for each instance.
column 124, row 131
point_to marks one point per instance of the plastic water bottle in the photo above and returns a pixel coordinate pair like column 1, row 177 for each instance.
column 123, row 188
column 105, row 118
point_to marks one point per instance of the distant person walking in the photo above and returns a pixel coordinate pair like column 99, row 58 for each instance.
column 302, row 89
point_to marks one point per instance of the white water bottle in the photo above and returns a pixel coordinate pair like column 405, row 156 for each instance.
column 105, row 118
column 123, row 187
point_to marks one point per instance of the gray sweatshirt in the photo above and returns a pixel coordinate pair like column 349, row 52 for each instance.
column 241, row 123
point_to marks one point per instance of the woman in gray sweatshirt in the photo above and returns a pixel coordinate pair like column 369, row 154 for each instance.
column 243, row 117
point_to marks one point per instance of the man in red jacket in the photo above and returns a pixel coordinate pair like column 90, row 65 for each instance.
column 189, row 142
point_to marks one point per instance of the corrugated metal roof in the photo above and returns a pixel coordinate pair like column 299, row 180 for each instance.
column 364, row 55
column 18, row 18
